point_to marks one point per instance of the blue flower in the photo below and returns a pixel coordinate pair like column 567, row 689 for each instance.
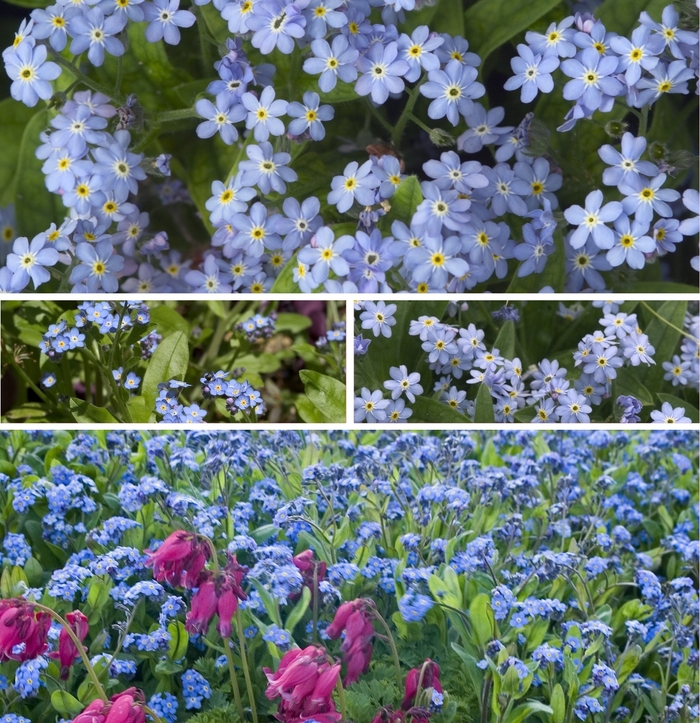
column 402, row 382
column 483, row 128
column 227, row 200
column 27, row 262
column 30, row 73
column 644, row 196
column 417, row 49
column 453, row 90
column 671, row 78
column 118, row 168
column 573, row 407
column 211, row 279
column 533, row 252
column 532, row 73
column 432, row 262
column 506, row 190
column 301, row 221
column 266, row 169
column 440, row 344
column 93, row 32
column 450, row 172
column 440, row 208
column 325, row 254
column 99, row 264
column 52, row 23
column 356, row 183
column 308, row 117
column 381, row 72
column 360, row 345
column 670, row 415
column 639, row 52
column 668, row 29
column 631, row 243
column 583, row 266
column 132, row 381
column 626, row 161
column 370, row 406
column 332, row 62
column 256, row 230
column 322, row 13
column 165, row 20
column 263, row 112
column 592, row 78
column 378, row 317
column 220, row 118
column 556, row 40
column 591, row 221
column 276, row 23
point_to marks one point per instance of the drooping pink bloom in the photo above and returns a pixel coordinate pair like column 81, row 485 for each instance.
column 180, row 559
column 354, row 618
column 95, row 712
column 431, row 679
column 67, row 652
column 305, row 681
column 125, row 707
column 203, row 607
column 23, row 630
column 306, row 563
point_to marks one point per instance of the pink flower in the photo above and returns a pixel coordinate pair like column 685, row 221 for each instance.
column 180, row 559
column 23, row 630
column 354, row 618
column 203, row 607
column 125, row 707
column 431, row 679
column 305, row 681
column 94, row 713
column 306, row 563
column 67, row 652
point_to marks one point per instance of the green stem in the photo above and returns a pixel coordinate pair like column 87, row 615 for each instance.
column 405, row 114
column 392, row 645
column 84, row 79
column 341, row 699
column 123, row 409
column 29, row 382
column 420, row 124
column 375, row 112
column 644, row 117
column 668, row 323
column 120, row 70
column 244, row 663
column 79, row 647
column 175, row 115
column 234, row 680
column 153, row 714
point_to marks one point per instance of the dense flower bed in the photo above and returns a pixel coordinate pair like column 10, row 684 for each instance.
column 384, row 577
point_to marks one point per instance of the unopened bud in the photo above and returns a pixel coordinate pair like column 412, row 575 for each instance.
column 441, row 138
column 538, row 140
column 658, row 151
column 616, row 128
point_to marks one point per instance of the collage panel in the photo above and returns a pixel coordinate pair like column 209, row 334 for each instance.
column 539, row 361
column 173, row 362
column 359, row 576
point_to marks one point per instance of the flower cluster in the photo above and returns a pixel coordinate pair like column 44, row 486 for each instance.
column 473, row 222
column 580, row 555
column 543, row 393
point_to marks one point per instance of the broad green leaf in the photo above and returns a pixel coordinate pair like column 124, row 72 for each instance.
column 627, row 382
column 426, row 409
column 488, row 24
column 169, row 361
column 140, row 412
column 284, row 283
column 15, row 117
column 505, row 341
column 482, row 619
column 404, row 203
column 35, row 207
column 558, row 702
column 470, row 663
column 690, row 411
column 442, row 593
column 98, row 593
column 262, row 363
column 622, row 17
column 342, row 93
column 86, row 413
column 627, row 662
column 483, row 413
column 298, row 610
column 292, row 322
column 309, row 412
column 178, row 640
column 663, row 337
column 65, row 704
column 662, row 287
column 525, row 711
column 326, row 393
column 34, row 572
column 167, row 321
column 31, row 410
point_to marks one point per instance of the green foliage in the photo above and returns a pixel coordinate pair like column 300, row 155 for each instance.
column 365, row 698
column 327, row 394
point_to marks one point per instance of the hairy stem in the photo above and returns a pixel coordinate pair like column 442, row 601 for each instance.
column 244, row 663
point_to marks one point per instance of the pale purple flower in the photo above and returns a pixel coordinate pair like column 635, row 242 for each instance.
column 98, row 267
column 275, row 24
column 670, row 415
column 645, row 196
column 592, row 79
column 93, row 32
column 267, row 170
column 263, row 113
column 332, row 62
column 638, row 53
column 356, row 183
column 626, row 161
column 27, row 261
column 309, row 116
column 381, row 72
column 591, row 221
column 452, row 90
column 631, row 243
column 532, row 73
column 219, row 119
column 30, row 73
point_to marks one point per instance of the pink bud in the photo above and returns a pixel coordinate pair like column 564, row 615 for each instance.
column 204, row 605
column 67, row 652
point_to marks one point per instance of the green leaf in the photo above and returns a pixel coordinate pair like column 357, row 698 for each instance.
column 169, row 361
column 167, row 321
column 484, row 406
column 505, row 341
column 662, row 287
column 690, row 410
column 86, row 413
column 15, row 117
column 623, row 17
column 558, row 702
column 309, row 412
column 33, row 571
column 292, row 322
column 65, row 704
column 426, row 409
column 627, row 382
column 442, row 592
column 627, row 663
column 404, row 202
column 139, row 411
column 326, row 393
column 663, row 337
column 179, row 638
column 284, row 283
column 35, row 208
column 98, row 594
column 524, row 711
column 488, row 24
column 298, row 610
column 482, row 619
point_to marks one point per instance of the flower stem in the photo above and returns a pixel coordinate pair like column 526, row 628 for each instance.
column 176, row 115
column 666, row 321
column 341, row 699
column 79, row 647
column 405, row 115
column 84, row 79
column 643, row 118
column 244, row 663
column 392, row 645
column 234, row 680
